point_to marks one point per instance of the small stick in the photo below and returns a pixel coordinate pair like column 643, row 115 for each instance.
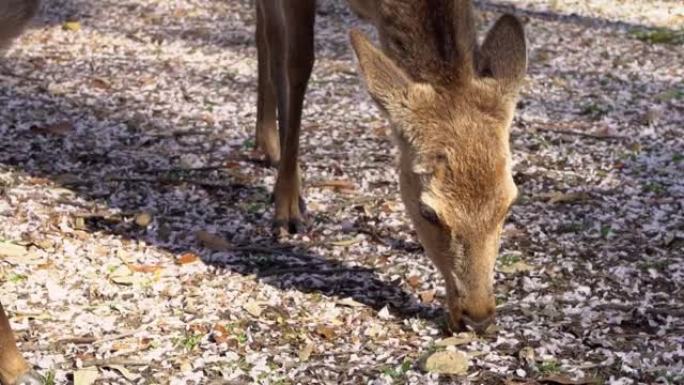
column 313, row 270
column 114, row 362
column 581, row 133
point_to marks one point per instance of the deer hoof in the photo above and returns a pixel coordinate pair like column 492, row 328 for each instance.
column 284, row 228
column 30, row 378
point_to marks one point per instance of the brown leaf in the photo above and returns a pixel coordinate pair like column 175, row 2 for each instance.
column 187, row 258
column 326, row 331
column 220, row 333
column 139, row 268
column 101, row 83
column 336, row 184
column 414, row 281
column 211, row 241
column 427, row 296
column 60, row 129
column 571, row 197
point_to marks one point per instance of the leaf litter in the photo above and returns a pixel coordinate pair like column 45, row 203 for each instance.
column 128, row 176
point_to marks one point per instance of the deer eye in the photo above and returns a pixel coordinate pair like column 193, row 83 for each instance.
column 429, row 214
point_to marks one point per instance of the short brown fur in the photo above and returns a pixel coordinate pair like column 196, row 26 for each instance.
column 450, row 103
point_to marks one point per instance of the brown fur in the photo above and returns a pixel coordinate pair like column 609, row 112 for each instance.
column 14, row 15
column 451, row 107
column 450, row 103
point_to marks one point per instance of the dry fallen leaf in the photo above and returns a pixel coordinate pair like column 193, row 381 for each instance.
column 344, row 242
column 101, row 83
column 71, row 26
column 86, row 376
column 9, row 249
column 350, row 302
column 139, row 268
column 337, row 185
column 516, row 267
column 447, row 362
column 60, row 129
column 306, row 351
column 143, row 219
column 211, row 241
column 220, row 333
column 459, row 339
column 427, row 296
column 326, row 331
column 571, row 197
column 254, row 308
column 125, row 373
column 187, row 258
column 414, row 281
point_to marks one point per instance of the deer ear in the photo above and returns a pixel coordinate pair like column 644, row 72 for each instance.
column 503, row 54
column 385, row 81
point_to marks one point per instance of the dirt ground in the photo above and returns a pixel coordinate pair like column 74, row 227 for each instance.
column 135, row 242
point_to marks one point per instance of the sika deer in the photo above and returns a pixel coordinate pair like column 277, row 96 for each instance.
column 14, row 15
column 450, row 103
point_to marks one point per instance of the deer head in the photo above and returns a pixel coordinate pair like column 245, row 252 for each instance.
column 455, row 163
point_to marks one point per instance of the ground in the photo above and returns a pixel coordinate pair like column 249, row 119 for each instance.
column 135, row 216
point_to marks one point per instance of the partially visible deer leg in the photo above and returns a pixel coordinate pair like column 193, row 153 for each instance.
column 290, row 39
column 13, row 368
column 266, row 127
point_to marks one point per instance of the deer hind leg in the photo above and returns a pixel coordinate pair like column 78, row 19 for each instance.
column 13, row 368
column 266, row 127
column 289, row 31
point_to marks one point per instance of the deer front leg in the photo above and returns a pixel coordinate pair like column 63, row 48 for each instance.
column 13, row 368
column 289, row 28
column 266, row 127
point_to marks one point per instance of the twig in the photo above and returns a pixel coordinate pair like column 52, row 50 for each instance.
column 77, row 340
column 181, row 169
column 118, row 336
column 314, row 270
column 583, row 134
column 179, row 133
column 114, row 361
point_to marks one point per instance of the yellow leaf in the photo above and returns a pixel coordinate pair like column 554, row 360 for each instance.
column 143, row 219
column 71, row 26
column 344, row 242
column 459, row 339
column 447, row 362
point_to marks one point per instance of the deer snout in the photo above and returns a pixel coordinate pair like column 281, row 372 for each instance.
column 480, row 322
column 475, row 315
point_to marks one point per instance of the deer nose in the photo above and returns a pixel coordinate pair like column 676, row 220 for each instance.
column 479, row 323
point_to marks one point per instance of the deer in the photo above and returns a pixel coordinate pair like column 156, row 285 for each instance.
column 14, row 370
column 450, row 102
